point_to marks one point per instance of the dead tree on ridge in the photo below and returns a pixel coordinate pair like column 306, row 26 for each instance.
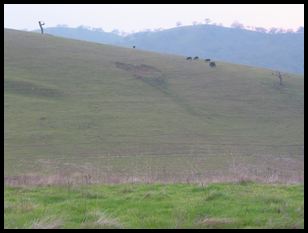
column 41, row 26
column 279, row 75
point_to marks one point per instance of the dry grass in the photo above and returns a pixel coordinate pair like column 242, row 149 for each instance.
column 215, row 221
column 237, row 174
column 105, row 220
column 194, row 170
column 47, row 223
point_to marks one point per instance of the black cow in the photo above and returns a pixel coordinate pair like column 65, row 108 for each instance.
column 212, row 64
column 188, row 58
column 134, row 46
column 207, row 60
column 196, row 58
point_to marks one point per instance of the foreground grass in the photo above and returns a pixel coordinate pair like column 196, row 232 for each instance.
column 245, row 205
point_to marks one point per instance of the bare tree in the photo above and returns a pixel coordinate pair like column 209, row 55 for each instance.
column 41, row 26
column 279, row 75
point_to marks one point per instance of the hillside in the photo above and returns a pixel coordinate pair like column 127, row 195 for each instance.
column 280, row 51
column 74, row 106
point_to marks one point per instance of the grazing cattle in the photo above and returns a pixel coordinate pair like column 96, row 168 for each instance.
column 212, row 64
column 134, row 46
column 188, row 58
column 196, row 58
column 207, row 60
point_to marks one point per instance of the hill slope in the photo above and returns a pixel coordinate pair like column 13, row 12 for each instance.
column 281, row 51
column 71, row 102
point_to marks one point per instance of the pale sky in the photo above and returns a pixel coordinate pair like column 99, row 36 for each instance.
column 136, row 17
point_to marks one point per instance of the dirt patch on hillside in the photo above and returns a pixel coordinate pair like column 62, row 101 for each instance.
column 148, row 74
column 139, row 70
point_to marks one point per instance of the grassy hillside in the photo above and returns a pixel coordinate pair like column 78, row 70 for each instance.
column 248, row 205
column 78, row 107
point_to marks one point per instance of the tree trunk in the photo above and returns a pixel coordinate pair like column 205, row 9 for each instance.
column 41, row 26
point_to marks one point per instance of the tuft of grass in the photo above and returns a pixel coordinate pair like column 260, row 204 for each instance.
column 47, row 223
column 215, row 222
column 106, row 221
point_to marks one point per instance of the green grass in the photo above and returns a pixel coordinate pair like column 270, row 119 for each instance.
column 245, row 205
column 75, row 102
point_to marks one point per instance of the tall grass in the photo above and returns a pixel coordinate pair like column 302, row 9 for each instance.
column 190, row 169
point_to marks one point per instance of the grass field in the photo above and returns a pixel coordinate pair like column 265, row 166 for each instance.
column 245, row 205
column 73, row 107
column 97, row 136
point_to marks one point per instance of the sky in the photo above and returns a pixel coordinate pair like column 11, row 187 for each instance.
column 137, row 17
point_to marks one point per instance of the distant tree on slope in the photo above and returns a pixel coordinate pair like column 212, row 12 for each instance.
column 41, row 23
column 279, row 75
